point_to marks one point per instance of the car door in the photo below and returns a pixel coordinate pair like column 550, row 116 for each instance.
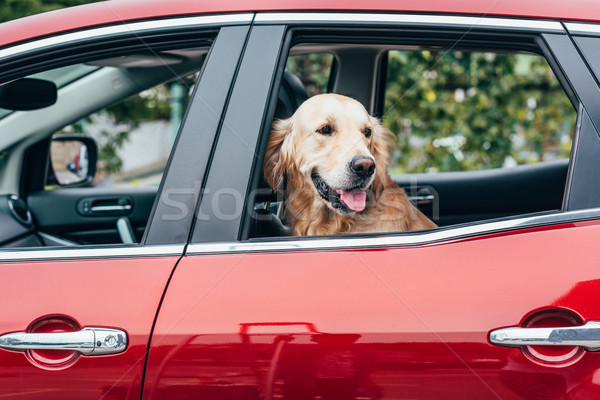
column 76, row 320
column 495, row 309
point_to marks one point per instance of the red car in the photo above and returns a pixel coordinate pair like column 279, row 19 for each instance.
column 172, row 274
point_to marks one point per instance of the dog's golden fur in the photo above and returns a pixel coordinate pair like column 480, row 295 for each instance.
column 297, row 150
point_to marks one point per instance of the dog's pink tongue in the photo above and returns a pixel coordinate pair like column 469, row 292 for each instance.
column 355, row 199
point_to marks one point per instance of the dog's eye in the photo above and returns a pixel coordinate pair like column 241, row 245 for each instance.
column 367, row 132
column 326, row 130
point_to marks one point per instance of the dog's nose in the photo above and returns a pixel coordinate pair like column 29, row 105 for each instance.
column 362, row 166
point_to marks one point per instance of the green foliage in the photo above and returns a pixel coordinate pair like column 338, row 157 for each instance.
column 109, row 161
column 13, row 9
column 454, row 111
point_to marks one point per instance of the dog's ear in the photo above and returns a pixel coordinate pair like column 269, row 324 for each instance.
column 273, row 165
column 380, row 148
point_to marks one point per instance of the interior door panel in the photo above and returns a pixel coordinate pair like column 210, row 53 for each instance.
column 89, row 216
column 459, row 197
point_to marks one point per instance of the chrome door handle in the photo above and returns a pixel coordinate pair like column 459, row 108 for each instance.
column 586, row 336
column 88, row 341
column 420, row 195
column 111, row 208
column 421, row 199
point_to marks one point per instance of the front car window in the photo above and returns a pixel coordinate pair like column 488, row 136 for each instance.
column 108, row 136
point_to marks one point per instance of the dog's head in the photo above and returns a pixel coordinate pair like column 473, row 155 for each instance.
column 333, row 146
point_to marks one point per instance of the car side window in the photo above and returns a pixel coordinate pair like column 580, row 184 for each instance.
column 474, row 135
column 94, row 156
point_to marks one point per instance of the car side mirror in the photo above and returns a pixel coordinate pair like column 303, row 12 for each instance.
column 72, row 160
column 27, row 94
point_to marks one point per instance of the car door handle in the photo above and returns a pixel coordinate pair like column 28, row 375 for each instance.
column 420, row 195
column 111, row 208
column 422, row 199
column 104, row 206
column 88, row 341
column 586, row 336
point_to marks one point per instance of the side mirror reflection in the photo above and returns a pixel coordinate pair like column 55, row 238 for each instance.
column 73, row 160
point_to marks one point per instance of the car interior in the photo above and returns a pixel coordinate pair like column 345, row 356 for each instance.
column 36, row 211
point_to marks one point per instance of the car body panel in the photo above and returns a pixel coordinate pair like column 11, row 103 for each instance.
column 413, row 322
column 115, row 12
column 121, row 293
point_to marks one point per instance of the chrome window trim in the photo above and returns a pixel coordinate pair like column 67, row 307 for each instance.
column 410, row 20
column 436, row 236
column 78, row 253
column 131, row 28
column 578, row 28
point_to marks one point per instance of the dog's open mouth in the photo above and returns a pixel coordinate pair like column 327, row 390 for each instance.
column 343, row 201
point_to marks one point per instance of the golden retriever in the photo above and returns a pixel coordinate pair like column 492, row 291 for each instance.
column 330, row 158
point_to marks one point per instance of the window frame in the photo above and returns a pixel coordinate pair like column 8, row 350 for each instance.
column 327, row 23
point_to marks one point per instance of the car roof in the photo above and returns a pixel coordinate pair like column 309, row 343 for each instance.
column 119, row 11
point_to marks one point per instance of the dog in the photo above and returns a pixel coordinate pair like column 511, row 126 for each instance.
column 330, row 160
